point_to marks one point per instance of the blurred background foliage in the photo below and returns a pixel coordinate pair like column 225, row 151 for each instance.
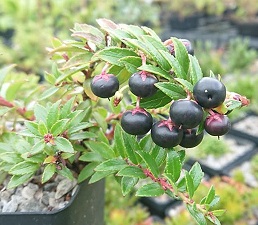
column 28, row 26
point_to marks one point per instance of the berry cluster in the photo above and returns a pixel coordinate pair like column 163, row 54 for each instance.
column 185, row 115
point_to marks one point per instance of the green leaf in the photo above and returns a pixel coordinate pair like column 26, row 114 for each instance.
column 79, row 127
column 150, row 190
column 4, row 72
column 172, row 90
column 48, row 172
column 160, row 155
column 10, row 157
column 65, row 172
column 213, row 219
column 198, row 216
column 119, row 145
column 174, row 64
column 215, row 201
column 76, row 117
column 131, row 146
column 173, row 165
column 32, row 127
column 42, row 128
column 114, row 54
column 155, row 70
column 186, row 84
column 151, row 32
column 12, row 89
column 131, row 63
column 195, row 70
column 66, row 109
column 131, row 171
column 24, row 168
column 59, row 127
column 196, row 174
column 82, row 135
column 121, row 73
column 159, row 99
column 4, row 110
column 111, row 164
column 127, row 184
column 233, row 104
column 102, row 148
column 53, row 115
column 17, row 180
column 150, row 162
column 181, row 55
column 37, row 148
column 189, row 184
column 64, row 145
column 91, row 157
column 98, row 175
column 40, row 113
column 210, row 196
column 87, row 171
column 48, row 92
column 219, row 212
column 133, row 30
column 78, row 59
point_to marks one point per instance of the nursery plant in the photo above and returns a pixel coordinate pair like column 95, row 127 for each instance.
column 117, row 102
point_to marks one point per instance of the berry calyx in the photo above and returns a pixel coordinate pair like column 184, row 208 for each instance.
column 191, row 138
column 165, row 134
column 217, row 124
column 209, row 92
column 186, row 113
column 136, row 121
column 104, row 85
column 142, row 83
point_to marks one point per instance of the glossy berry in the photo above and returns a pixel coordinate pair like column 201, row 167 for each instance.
column 190, row 138
column 104, row 85
column 142, row 84
column 187, row 44
column 217, row 124
column 186, row 114
column 209, row 92
column 136, row 122
column 165, row 134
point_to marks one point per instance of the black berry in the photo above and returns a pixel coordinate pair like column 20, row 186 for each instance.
column 104, row 85
column 186, row 113
column 165, row 134
column 190, row 138
column 142, row 84
column 209, row 92
column 217, row 124
column 136, row 122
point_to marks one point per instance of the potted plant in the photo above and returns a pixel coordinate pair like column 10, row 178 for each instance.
column 92, row 119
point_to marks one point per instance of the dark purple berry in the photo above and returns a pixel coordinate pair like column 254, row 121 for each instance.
column 209, row 92
column 190, row 138
column 142, row 84
column 165, row 134
column 136, row 122
column 186, row 114
column 187, row 44
column 104, row 85
column 217, row 124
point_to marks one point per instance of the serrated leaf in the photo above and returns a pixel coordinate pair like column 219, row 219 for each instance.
column 32, row 127
column 91, row 157
column 42, row 128
column 131, row 63
column 48, row 172
column 181, row 55
column 4, row 72
column 160, row 156
column 65, row 172
column 195, row 70
column 121, row 73
column 37, row 148
column 215, row 201
column 213, row 219
column 150, row 162
column 155, row 70
column 219, row 212
column 151, row 32
column 114, row 54
column 82, row 135
column 48, row 92
column 24, row 167
column 59, row 127
column 133, row 30
column 79, row 127
column 10, row 157
column 11, row 91
column 172, row 90
column 98, row 175
column 159, row 99
column 102, row 148
column 17, row 180
column 64, row 145
column 78, row 59
column 119, row 145
column 66, row 109
column 189, row 184
column 131, row 145
column 131, row 171
column 150, row 190
column 173, row 165
column 127, row 184
column 111, row 164
column 210, row 196
column 186, row 84
column 87, row 171
column 197, row 175
column 40, row 113
column 198, row 216
column 53, row 115
column 76, row 117
column 232, row 104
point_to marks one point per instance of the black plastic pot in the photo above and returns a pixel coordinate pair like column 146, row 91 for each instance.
column 247, row 28
column 85, row 208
